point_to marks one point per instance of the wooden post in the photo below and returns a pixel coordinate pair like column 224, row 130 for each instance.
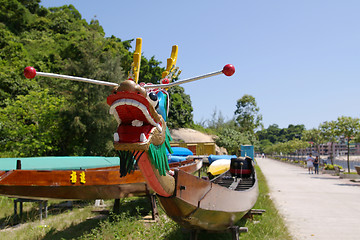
column 194, row 234
column 116, row 208
column 154, row 212
column 18, row 164
column 40, row 209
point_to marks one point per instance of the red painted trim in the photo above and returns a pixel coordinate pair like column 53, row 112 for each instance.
column 238, row 171
column 150, row 177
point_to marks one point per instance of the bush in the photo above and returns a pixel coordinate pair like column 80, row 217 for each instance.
column 331, row 167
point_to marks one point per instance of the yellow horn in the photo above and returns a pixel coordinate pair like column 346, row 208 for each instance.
column 171, row 62
column 137, row 59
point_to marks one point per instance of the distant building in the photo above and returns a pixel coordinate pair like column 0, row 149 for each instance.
column 198, row 148
column 197, row 142
column 339, row 149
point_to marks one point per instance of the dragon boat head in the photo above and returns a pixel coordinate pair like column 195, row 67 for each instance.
column 141, row 115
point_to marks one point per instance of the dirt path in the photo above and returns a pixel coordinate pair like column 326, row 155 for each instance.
column 314, row 206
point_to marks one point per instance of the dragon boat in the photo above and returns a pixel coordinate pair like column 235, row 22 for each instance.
column 75, row 178
column 142, row 137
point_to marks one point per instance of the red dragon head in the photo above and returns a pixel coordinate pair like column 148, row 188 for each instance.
column 140, row 124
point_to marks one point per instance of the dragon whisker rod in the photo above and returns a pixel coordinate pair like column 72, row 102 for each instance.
column 30, row 72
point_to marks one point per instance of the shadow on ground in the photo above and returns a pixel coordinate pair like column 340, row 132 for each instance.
column 129, row 207
column 74, row 231
column 32, row 213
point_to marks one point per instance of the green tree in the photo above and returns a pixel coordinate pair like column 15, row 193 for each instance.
column 286, row 147
column 14, row 15
column 88, row 117
column 32, row 5
column 180, row 112
column 295, row 145
column 30, row 125
column 216, row 122
column 294, row 131
column 328, row 131
column 13, row 57
column 272, row 133
column 314, row 136
column 58, row 40
column 349, row 128
column 264, row 144
column 247, row 114
column 232, row 139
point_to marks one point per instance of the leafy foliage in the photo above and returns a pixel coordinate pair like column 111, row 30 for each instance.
column 58, row 40
column 286, row 147
column 343, row 129
column 232, row 139
column 314, row 137
column 349, row 128
column 30, row 125
column 180, row 113
column 328, row 131
column 247, row 114
column 229, row 134
column 273, row 134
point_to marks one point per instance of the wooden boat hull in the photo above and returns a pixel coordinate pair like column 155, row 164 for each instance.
column 357, row 168
column 87, row 184
column 201, row 204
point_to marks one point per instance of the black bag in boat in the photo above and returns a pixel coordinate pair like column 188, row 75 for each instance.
column 241, row 167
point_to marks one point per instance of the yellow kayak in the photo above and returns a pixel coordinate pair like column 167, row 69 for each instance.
column 219, row 166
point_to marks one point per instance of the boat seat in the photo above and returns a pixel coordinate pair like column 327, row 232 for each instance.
column 241, row 167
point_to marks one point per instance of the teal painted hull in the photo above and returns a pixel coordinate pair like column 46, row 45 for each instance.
column 58, row 163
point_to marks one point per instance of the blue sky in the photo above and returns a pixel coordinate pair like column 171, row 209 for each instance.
column 299, row 59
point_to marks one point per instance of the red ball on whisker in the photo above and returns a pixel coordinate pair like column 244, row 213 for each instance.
column 165, row 81
column 228, row 69
column 29, row 72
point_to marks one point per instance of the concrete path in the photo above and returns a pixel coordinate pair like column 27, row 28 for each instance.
column 313, row 206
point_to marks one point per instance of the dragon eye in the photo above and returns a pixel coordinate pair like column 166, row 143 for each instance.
column 153, row 96
column 153, row 99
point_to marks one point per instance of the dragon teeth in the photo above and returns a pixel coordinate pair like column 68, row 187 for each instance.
column 116, row 115
column 159, row 127
column 137, row 123
column 143, row 137
column 137, row 104
column 116, row 137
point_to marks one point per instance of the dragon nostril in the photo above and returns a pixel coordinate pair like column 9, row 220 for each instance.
column 153, row 96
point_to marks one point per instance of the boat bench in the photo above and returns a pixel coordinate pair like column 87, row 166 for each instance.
column 42, row 206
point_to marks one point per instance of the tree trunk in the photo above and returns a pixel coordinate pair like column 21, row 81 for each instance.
column 332, row 153
column 348, row 156
column 318, row 150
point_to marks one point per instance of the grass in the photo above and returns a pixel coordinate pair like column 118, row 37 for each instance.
column 83, row 223
column 59, row 220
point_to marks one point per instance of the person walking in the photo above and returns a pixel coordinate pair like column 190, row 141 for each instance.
column 316, row 165
column 309, row 163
